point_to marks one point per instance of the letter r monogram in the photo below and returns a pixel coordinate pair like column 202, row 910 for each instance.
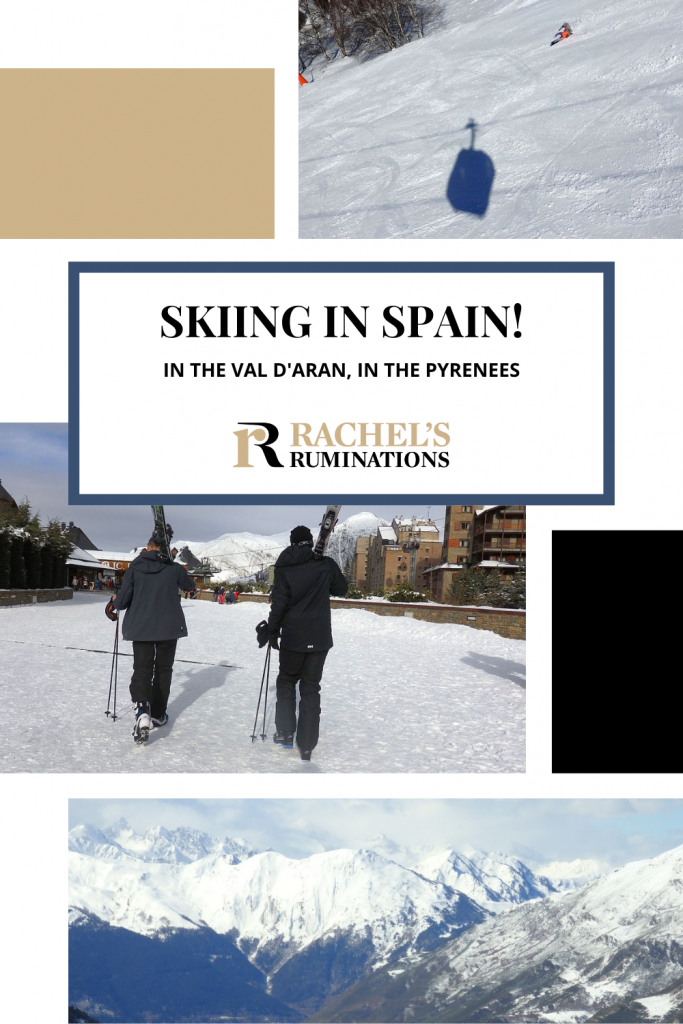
column 263, row 439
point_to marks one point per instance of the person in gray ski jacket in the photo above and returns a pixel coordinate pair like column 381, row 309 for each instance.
column 154, row 621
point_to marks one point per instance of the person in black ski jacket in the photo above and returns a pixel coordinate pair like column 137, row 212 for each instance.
column 300, row 616
column 154, row 621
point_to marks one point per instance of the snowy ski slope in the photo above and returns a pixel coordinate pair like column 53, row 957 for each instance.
column 586, row 137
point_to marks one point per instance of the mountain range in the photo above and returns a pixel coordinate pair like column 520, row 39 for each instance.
column 382, row 932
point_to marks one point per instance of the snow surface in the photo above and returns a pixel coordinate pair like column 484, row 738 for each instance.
column 658, row 1006
column 582, row 932
column 586, row 137
column 461, row 686
column 560, row 959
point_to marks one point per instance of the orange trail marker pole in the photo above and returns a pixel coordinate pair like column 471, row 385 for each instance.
column 302, row 80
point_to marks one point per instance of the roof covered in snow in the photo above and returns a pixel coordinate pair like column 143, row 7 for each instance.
column 83, row 559
column 418, row 527
column 114, row 556
column 494, row 564
column 446, row 565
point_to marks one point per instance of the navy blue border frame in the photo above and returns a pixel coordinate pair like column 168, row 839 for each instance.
column 606, row 269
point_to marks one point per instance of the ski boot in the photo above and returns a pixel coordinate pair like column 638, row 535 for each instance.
column 305, row 754
column 159, row 720
column 285, row 739
column 143, row 722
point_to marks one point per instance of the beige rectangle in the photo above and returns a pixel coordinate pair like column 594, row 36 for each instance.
column 136, row 153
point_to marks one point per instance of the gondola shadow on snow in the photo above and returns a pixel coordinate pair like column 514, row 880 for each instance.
column 469, row 187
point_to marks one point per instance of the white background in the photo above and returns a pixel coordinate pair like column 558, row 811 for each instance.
column 33, row 374
column 559, row 357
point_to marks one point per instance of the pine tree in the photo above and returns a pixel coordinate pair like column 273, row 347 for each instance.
column 4, row 559
column 466, row 586
column 17, row 565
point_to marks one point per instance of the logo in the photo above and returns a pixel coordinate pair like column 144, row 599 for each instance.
column 347, row 445
column 263, row 438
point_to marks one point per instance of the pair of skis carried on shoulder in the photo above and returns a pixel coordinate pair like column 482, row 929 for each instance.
column 163, row 533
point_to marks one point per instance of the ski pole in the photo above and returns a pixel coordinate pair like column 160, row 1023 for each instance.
column 265, row 701
column 113, row 677
column 258, row 706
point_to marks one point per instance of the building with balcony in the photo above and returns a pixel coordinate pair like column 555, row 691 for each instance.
column 499, row 536
column 476, row 536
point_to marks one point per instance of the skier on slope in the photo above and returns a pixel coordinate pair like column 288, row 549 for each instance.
column 564, row 33
column 300, row 609
column 154, row 621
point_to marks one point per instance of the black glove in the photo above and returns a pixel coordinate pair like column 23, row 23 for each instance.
column 110, row 612
column 273, row 641
column 262, row 634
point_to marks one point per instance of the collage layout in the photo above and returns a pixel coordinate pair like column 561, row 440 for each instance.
column 290, row 370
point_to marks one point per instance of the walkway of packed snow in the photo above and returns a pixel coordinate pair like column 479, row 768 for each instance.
column 398, row 695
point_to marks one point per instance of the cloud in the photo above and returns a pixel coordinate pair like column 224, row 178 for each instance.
column 615, row 831
column 33, row 463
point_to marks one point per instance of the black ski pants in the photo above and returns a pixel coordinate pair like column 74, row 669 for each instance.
column 152, row 672
column 307, row 670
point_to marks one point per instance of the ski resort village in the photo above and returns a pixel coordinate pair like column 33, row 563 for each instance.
column 426, row 672
column 490, row 119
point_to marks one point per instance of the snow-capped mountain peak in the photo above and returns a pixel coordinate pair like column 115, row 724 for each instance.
column 342, row 544
column 156, row 845
column 494, row 880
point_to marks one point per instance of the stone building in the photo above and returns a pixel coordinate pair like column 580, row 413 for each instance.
column 401, row 553
column 360, row 563
column 455, row 552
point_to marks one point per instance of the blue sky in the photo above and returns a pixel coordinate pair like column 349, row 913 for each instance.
column 33, row 463
column 615, row 831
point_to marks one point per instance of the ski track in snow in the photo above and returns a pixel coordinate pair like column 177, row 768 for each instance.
column 586, row 137
column 398, row 695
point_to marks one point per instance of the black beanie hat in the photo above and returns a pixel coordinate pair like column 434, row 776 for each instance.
column 301, row 535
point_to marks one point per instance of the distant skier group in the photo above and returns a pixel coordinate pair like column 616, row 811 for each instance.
column 300, row 617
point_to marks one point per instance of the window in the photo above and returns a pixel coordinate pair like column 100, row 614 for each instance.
column 464, row 526
column 398, row 577
column 463, row 543
column 466, row 508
